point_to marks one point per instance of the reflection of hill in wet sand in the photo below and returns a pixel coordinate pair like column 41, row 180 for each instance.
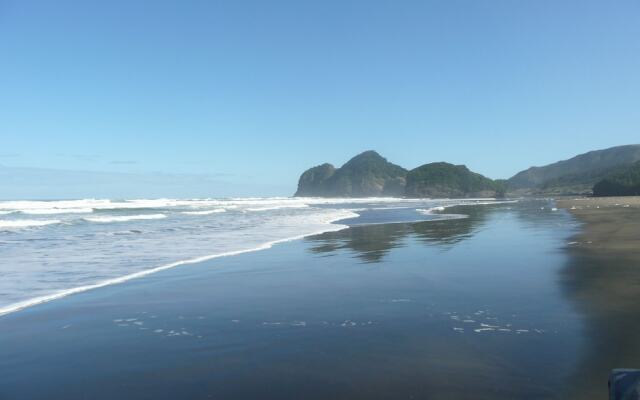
column 449, row 232
column 372, row 243
column 602, row 278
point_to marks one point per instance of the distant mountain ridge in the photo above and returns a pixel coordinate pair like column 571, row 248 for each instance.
column 576, row 175
column 370, row 175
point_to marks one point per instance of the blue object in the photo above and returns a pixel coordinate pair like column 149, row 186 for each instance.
column 624, row 384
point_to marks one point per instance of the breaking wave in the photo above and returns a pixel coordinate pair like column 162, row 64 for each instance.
column 83, row 252
column 205, row 212
column 124, row 218
column 27, row 223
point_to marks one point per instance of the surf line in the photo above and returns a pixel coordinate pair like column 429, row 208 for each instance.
column 11, row 308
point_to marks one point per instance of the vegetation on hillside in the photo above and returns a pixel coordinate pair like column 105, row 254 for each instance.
column 576, row 175
column 441, row 179
column 625, row 183
column 367, row 174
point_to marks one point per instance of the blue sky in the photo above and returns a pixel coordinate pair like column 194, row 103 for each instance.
column 254, row 92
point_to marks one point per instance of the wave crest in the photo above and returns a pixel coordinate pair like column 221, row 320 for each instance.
column 123, row 218
column 27, row 223
column 205, row 212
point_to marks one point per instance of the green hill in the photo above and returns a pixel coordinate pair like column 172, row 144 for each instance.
column 576, row 175
column 371, row 175
column 366, row 175
column 625, row 183
column 441, row 179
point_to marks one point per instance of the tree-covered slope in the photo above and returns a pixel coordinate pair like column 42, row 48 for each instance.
column 369, row 175
column 578, row 174
column 625, row 183
column 441, row 179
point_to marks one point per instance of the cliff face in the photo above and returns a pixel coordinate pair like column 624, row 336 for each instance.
column 366, row 175
column 441, row 179
column 312, row 182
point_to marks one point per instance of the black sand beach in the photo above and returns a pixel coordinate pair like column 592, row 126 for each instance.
column 494, row 306
column 602, row 279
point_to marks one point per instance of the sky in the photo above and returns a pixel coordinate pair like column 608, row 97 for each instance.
column 251, row 93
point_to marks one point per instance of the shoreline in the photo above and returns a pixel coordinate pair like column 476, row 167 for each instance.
column 610, row 224
column 315, row 318
column 333, row 226
column 602, row 280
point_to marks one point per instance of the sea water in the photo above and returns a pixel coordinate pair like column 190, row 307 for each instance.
column 50, row 249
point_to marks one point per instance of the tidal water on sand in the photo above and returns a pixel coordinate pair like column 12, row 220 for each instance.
column 475, row 304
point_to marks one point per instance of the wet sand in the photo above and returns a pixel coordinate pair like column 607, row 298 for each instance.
column 459, row 309
column 602, row 279
column 611, row 224
column 499, row 305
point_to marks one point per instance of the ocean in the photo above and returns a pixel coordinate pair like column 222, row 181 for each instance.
column 50, row 249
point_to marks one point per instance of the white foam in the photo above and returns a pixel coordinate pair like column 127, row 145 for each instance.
column 270, row 208
column 430, row 210
column 331, row 227
column 482, row 202
column 52, row 211
column 124, row 218
column 465, row 202
column 27, row 223
column 205, row 212
column 462, row 202
column 249, row 204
